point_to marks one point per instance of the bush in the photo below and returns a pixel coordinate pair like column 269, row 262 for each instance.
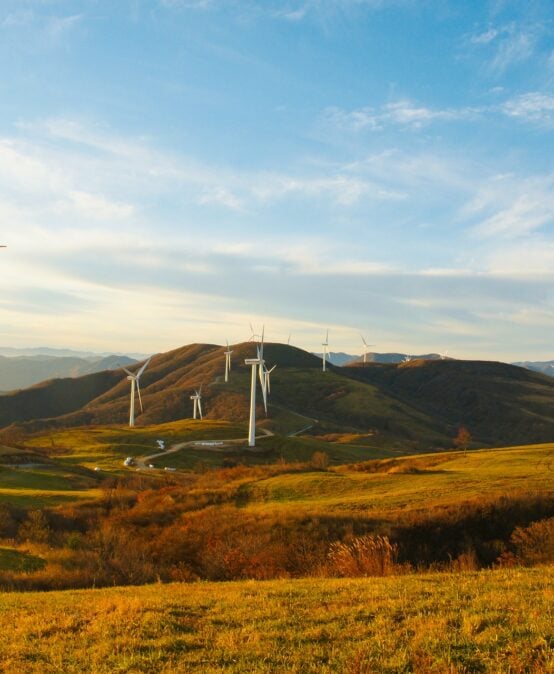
column 35, row 528
column 364, row 556
column 531, row 545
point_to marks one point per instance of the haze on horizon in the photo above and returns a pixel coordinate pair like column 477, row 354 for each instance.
column 172, row 170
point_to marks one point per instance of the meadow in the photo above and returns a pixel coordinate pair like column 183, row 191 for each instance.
column 488, row 621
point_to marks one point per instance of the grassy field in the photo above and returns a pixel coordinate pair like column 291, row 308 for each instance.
column 411, row 483
column 494, row 621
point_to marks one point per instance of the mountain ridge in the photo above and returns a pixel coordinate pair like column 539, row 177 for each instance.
column 420, row 403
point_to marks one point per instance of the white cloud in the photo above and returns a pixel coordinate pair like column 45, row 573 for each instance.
column 514, row 48
column 402, row 113
column 507, row 45
column 533, row 106
column 514, row 207
column 485, row 37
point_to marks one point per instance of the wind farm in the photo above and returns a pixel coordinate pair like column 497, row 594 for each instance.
column 276, row 317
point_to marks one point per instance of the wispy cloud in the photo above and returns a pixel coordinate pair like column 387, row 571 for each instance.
column 533, row 106
column 513, row 207
column 507, row 45
column 402, row 113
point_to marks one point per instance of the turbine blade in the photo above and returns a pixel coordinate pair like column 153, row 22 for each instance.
column 264, row 394
column 127, row 371
column 140, row 399
column 200, row 408
column 144, row 367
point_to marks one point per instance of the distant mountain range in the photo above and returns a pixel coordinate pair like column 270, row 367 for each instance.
column 418, row 404
column 22, row 371
column 546, row 367
column 340, row 358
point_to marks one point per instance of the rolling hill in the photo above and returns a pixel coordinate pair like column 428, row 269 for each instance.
column 414, row 405
column 17, row 372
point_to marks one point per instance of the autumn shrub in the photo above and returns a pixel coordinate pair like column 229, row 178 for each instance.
column 531, row 545
column 35, row 528
column 364, row 556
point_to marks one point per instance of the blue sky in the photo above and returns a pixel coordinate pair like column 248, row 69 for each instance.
column 172, row 170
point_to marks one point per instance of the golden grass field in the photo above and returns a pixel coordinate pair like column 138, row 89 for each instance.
column 488, row 621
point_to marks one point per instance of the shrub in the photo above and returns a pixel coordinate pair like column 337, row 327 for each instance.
column 531, row 545
column 319, row 461
column 364, row 556
column 35, row 528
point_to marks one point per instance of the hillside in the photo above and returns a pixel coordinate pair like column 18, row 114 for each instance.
column 499, row 403
column 410, row 406
column 18, row 372
column 489, row 622
column 546, row 367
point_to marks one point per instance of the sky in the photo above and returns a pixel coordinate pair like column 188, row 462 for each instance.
column 174, row 170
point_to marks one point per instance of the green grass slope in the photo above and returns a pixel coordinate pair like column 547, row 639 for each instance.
column 499, row 403
column 490, row 622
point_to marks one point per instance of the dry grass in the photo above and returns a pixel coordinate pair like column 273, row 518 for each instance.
column 494, row 621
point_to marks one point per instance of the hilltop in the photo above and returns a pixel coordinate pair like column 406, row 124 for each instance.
column 414, row 405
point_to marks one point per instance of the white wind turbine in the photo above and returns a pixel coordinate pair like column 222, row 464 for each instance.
column 366, row 347
column 227, row 362
column 325, row 344
column 254, row 363
column 253, row 336
column 197, row 410
column 406, row 359
column 135, row 382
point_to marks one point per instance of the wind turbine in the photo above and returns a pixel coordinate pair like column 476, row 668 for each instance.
column 366, row 347
column 288, row 340
column 444, row 355
column 253, row 336
column 325, row 344
column 254, row 363
column 406, row 359
column 135, row 381
column 197, row 397
column 227, row 362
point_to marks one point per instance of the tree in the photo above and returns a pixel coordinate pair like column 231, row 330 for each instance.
column 463, row 439
column 35, row 528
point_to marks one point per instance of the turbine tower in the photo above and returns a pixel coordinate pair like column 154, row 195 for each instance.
column 135, row 382
column 366, row 348
column 325, row 344
column 227, row 362
column 253, row 362
column 197, row 410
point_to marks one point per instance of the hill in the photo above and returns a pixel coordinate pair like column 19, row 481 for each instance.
column 18, row 372
column 489, row 622
column 546, row 367
column 499, row 403
column 407, row 406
